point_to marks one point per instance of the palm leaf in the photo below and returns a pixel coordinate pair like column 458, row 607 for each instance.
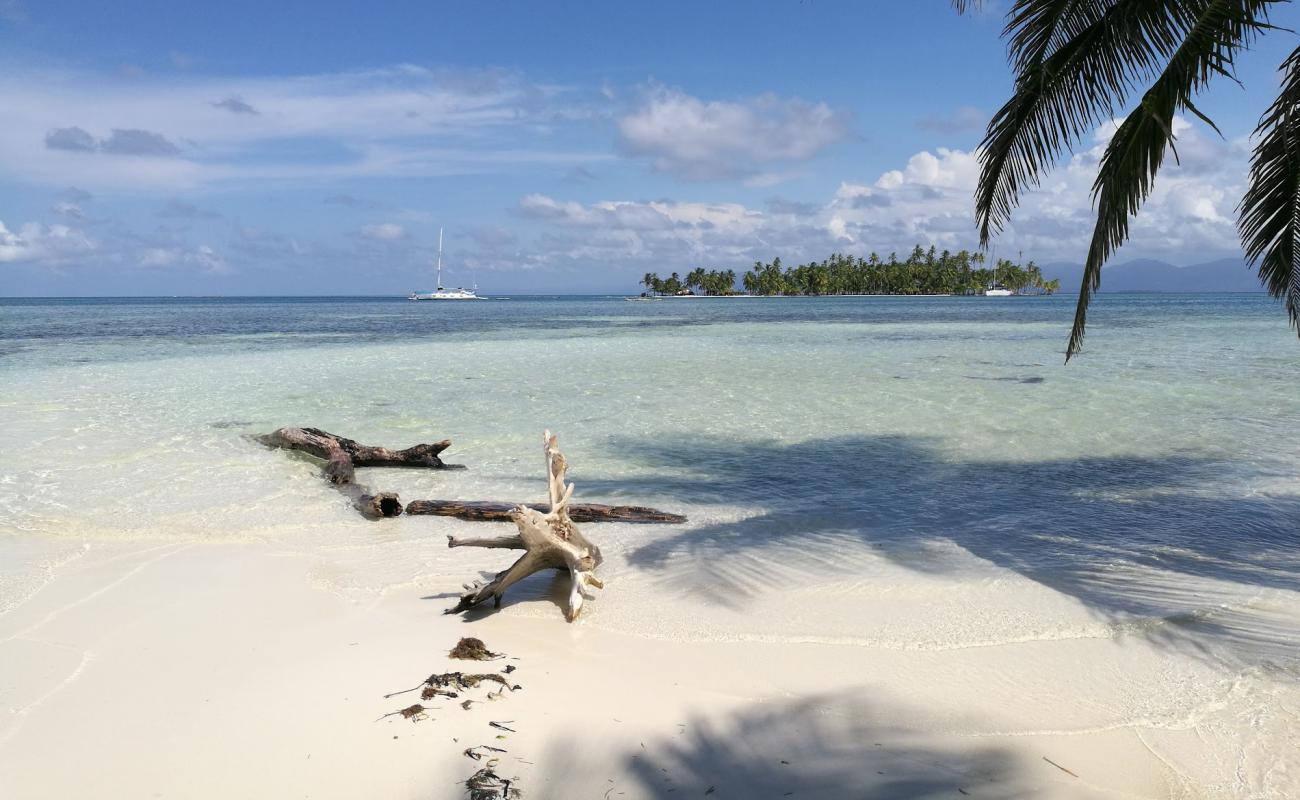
column 1269, row 215
column 1076, row 61
column 1136, row 151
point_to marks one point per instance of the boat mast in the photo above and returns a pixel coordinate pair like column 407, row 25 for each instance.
column 440, row 259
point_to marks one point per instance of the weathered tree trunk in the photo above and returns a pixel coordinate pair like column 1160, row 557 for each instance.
column 485, row 511
column 342, row 456
column 550, row 541
column 325, row 445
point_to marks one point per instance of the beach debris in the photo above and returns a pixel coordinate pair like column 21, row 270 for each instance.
column 490, row 511
column 502, row 725
column 342, row 456
column 431, row 692
column 1058, row 766
column 449, row 684
column 487, row 785
column 509, row 669
column 415, row 713
column 550, row 540
column 473, row 752
column 471, row 649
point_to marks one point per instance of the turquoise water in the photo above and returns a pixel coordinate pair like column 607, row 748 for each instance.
column 901, row 473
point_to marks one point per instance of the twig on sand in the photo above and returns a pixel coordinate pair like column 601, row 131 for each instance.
column 1058, row 766
column 473, row 752
column 502, row 725
column 410, row 712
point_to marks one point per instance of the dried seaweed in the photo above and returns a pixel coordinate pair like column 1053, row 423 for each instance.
column 414, row 712
column 446, row 684
column 487, row 785
column 472, row 649
column 473, row 752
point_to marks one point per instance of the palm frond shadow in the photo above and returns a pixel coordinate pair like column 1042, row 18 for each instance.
column 819, row 746
column 1150, row 543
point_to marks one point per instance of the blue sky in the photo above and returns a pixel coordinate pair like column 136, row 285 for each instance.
column 315, row 148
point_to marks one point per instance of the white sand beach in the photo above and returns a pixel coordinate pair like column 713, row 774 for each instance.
column 219, row 670
column 884, row 589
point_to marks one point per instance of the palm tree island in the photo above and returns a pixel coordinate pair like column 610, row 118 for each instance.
column 923, row 272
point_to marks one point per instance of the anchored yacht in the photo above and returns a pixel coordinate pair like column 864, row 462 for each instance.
column 445, row 294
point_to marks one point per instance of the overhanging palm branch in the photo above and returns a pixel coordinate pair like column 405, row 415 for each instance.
column 1137, row 149
column 1270, row 212
column 1077, row 60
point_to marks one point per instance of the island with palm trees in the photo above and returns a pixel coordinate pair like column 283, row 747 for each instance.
column 923, row 272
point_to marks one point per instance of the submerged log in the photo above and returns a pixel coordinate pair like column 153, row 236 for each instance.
column 549, row 540
column 342, row 456
column 321, row 444
column 486, row 511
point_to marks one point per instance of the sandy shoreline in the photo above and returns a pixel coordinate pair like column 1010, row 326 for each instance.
column 878, row 549
column 219, row 670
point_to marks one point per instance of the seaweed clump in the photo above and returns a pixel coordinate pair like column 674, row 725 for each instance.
column 487, row 785
column 472, row 649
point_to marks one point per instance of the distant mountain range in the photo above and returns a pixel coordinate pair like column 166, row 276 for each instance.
column 1149, row 275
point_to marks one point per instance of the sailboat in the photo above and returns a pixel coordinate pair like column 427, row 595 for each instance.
column 997, row 289
column 441, row 293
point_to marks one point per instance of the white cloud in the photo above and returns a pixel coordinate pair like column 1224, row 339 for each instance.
column 702, row 140
column 383, row 231
column 58, row 246
column 48, row 244
column 928, row 200
column 397, row 121
column 203, row 257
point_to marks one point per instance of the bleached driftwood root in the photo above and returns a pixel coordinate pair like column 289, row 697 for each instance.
column 342, row 456
column 549, row 540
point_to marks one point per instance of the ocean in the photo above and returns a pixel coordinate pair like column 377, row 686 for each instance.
column 932, row 458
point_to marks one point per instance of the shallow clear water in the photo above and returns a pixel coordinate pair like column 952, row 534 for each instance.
column 906, row 417
column 931, row 457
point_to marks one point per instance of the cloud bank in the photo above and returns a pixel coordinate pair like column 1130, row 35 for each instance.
column 708, row 140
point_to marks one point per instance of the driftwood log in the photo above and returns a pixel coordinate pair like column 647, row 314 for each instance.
column 549, row 540
column 342, row 456
column 485, row 511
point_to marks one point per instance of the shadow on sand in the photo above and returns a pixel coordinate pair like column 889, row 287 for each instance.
column 1160, row 546
column 821, row 746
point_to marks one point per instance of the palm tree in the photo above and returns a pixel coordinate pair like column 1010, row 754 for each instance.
column 1077, row 61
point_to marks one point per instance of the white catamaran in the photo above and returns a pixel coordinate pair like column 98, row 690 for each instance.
column 996, row 289
column 441, row 293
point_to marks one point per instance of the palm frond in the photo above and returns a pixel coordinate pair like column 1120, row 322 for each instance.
column 1269, row 214
column 1137, row 149
column 1076, row 60
column 963, row 6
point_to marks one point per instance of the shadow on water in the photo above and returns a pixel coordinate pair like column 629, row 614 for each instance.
column 1154, row 544
column 822, row 746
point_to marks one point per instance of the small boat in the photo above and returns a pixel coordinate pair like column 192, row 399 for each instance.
column 996, row 289
column 441, row 293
